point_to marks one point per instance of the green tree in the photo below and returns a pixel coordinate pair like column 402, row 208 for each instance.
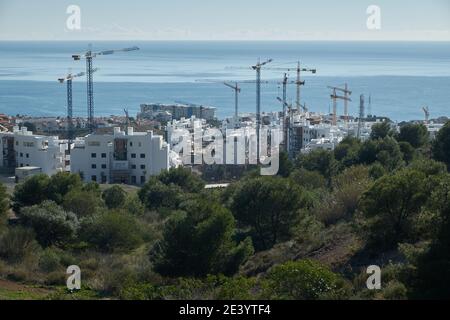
column 303, row 280
column 408, row 151
column 286, row 165
column 114, row 197
column 31, row 192
column 82, row 203
column 155, row 195
column 310, row 180
column 381, row 130
column 441, row 146
column 415, row 134
column 322, row 161
column 199, row 241
column 268, row 205
column 433, row 278
column 392, row 204
column 60, row 184
column 51, row 223
column 183, row 178
column 110, row 231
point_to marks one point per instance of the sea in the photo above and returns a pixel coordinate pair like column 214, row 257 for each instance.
column 399, row 77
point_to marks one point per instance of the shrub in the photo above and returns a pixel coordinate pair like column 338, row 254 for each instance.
column 82, row 203
column 16, row 243
column 114, row 197
column 199, row 242
column 156, row 195
column 51, row 223
column 49, row 261
column 111, row 231
column 31, row 192
column 302, row 280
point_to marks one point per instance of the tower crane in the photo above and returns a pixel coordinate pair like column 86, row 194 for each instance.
column 68, row 80
column 426, row 110
column 361, row 114
column 298, row 82
column 258, row 68
column 237, row 90
column 89, row 56
column 335, row 97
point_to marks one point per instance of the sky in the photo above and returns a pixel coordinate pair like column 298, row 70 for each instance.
column 408, row 20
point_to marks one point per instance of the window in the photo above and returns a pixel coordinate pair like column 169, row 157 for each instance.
column 104, row 155
column 142, row 166
column 140, row 144
column 94, row 178
column 103, row 166
column 94, row 166
column 133, row 179
column 21, row 155
column 131, row 143
column 103, row 179
column 94, row 143
column 142, row 155
column 21, row 165
column 133, row 156
column 27, row 155
column 142, row 179
column 133, row 166
column 93, row 155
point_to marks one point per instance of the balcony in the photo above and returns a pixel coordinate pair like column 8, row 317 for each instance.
column 120, row 166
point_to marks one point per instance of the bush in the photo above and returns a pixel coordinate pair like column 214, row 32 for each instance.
column 51, row 223
column 198, row 242
column 82, row 203
column 111, row 231
column 31, row 192
column 114, row 197
column 156, row 195
column 183, row 178
column 302, row 280
column 49, row 261
column 16, row 243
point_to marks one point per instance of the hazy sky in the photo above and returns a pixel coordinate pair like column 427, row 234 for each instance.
column 225, row 20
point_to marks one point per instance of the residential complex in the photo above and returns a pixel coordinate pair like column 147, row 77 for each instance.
column 122, row 157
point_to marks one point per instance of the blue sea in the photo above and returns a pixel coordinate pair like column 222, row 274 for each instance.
column 401, row 77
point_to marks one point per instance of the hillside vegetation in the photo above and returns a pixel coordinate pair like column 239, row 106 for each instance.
column 309, row 233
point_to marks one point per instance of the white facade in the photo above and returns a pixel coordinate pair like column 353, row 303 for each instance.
column 21, row 148
column 129, row 158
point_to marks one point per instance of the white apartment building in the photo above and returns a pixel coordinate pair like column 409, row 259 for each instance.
column 21, row 148
column 122, row 157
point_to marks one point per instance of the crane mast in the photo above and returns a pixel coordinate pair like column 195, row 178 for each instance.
column 258, row 68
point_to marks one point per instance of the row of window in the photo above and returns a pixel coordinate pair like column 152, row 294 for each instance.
column 27, row 155
column 134, row 167
column 103, row 155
